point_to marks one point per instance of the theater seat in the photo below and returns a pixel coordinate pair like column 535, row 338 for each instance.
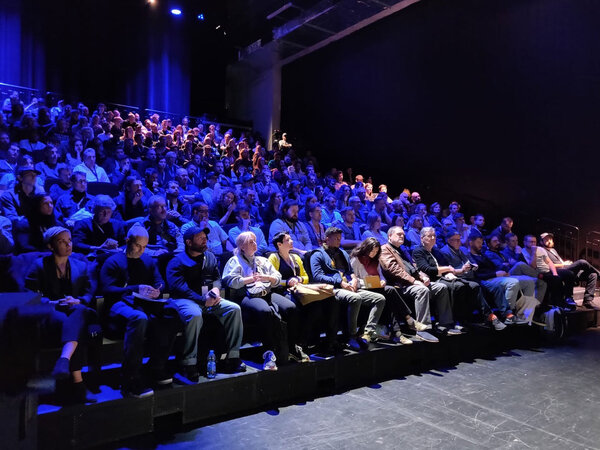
column 109, row 189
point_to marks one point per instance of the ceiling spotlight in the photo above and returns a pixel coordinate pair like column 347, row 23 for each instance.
column 200, row 16
column 176, row 11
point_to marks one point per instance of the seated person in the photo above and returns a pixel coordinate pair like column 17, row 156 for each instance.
column 29, row 236
column 314, row 226
column 413, row 231
column 351, row 235
column 123, row 275
column 100, row 233
column 288, row 221
column 194, row 282
column 64, row 284
column 7, row 241
column 48, row 168
column 17, row 203
column 505, row 289
column 329, row 213
column 528, row 280
column 74, row 205
column 374, row 228
column 360, row 210
column 249, row 199
column 465, row 295
column 164, row 236
column 123, row 171
column 178, row 210
column 218, row 243
column 581, row 270
column 210, row 194
column 63, row 184
column 131, row 203
column 503, row 229
column 222, row 210
column 365, row 263
column 186, row 189
column 292, row 271
column 560, row 282
column 244, row 224
column 252, row 279
column 93, row 172
column 416, row 286
column 331, row 265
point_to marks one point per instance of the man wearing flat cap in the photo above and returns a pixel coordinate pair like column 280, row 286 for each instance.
column 194, row 282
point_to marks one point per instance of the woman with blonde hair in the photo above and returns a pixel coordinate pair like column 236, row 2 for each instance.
column 252, row 279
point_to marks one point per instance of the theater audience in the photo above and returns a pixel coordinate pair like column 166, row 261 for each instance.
column 131, row 202
column 218, row 243
column 314, row 226
column 245, row 224
column 17, row 203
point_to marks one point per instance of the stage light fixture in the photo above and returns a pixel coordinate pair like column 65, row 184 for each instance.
column 176, row 11
column 200, row 16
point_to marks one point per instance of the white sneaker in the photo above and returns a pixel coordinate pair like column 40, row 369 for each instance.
column 419, row 326
column 400, row 338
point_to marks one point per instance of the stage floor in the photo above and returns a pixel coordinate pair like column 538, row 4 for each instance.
column 523, row 399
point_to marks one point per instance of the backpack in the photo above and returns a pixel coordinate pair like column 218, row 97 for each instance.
column 556, row 323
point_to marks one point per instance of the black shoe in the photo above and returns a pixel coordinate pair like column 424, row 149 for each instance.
column 357, row 344
column 80, row 394
column 136, row 389
column 161, row 377
column 571, row 305
column 231, row 365
column 61, row 369
column 191, row 373
column 589, row 305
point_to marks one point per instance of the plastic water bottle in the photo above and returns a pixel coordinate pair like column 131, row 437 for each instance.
column 211, row 366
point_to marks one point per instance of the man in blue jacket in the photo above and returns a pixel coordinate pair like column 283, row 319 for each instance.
column 194, row 281
column 331, row 265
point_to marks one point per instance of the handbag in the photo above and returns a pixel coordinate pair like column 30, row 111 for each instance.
column 308, row 293
column 257, row 290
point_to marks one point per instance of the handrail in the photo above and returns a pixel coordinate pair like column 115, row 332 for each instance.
column 18, row 87
column 558, row 222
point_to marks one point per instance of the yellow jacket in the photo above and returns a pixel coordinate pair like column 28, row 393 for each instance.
column 275, row 259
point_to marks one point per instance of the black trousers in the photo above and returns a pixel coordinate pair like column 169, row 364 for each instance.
column 327, row 311
column 583, row 271
column 465, row 297
column 71, row 324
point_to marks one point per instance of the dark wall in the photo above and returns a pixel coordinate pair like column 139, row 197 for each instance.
column 497, row 99
column 115, row 51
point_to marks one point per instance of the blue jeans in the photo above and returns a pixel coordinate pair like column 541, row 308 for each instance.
column 505, row 291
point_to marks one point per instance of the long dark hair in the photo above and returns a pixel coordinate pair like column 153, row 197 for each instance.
column 366, row 247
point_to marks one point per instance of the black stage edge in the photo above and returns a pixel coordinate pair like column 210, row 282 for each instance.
column 231, row 396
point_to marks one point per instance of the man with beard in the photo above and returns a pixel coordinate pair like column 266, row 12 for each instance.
column 529, row 282
column 194, row 279
column 288, row 222
column 580, row 270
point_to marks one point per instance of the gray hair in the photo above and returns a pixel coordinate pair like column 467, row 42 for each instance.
column 103, row 201
column 137, row 230
column 89, row 152
column 392, row 230
column 155, row 198
column 426, row 230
